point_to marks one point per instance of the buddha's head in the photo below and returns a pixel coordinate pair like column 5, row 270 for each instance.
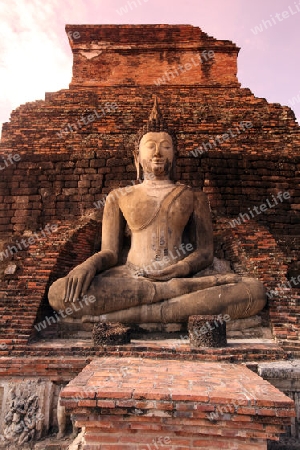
column 155, row 149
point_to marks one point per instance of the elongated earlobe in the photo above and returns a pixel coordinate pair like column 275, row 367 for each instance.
column 138, row 172
column 137, row 166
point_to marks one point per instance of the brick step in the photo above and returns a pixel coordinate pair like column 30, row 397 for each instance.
column 159, row 349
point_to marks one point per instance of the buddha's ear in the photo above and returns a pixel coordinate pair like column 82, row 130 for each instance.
column 137, row 164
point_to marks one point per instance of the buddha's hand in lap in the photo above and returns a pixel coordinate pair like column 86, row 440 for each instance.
column 179, row 270
column 78, row 281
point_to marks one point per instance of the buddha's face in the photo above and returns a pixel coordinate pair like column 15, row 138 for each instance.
column 156, row 154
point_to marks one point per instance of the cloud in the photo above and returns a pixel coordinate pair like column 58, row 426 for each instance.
column 32, row 57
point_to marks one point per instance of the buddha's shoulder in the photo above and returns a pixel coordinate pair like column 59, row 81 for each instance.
column 185, row 187
column 128, row 193
column 134, row 190
column 196, row 192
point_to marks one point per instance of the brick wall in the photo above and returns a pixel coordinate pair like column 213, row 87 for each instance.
column 60, row 178
column 110, row 55
column 23, row 294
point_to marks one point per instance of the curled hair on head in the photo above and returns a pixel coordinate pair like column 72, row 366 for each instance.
column 156, row 123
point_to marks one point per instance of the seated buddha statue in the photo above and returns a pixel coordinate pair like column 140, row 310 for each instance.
column 171, row 245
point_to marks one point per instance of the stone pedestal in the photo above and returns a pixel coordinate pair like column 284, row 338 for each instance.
column 110, row 334
column 143, row 404
column 207, row 331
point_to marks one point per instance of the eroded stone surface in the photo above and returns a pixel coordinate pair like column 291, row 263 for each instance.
column 110, row 334
column 25, row 413
column 207, row 331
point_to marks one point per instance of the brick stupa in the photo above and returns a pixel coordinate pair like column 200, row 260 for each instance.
column 76, row 146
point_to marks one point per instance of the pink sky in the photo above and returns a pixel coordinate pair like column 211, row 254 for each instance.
column 35, row 56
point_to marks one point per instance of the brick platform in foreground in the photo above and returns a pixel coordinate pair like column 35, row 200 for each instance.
column 143, row 404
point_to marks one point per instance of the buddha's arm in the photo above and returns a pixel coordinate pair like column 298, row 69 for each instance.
column 112, row 235
column 80, row 278
column 202, row 256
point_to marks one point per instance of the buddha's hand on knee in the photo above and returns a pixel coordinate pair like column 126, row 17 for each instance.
column 78, row 282
column 179, row 270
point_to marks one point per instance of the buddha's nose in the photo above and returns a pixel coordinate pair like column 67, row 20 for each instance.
column 157, row 150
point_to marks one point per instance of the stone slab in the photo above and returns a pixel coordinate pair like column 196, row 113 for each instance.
column 284, row 370
column 134, row 403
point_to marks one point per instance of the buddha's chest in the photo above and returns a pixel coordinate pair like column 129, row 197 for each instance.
column 170, row 210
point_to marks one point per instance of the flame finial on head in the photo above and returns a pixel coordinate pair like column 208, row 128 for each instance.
column 155, row 123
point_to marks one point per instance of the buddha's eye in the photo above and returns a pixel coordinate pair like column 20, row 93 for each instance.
column 166, row 145
column 150, row 145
